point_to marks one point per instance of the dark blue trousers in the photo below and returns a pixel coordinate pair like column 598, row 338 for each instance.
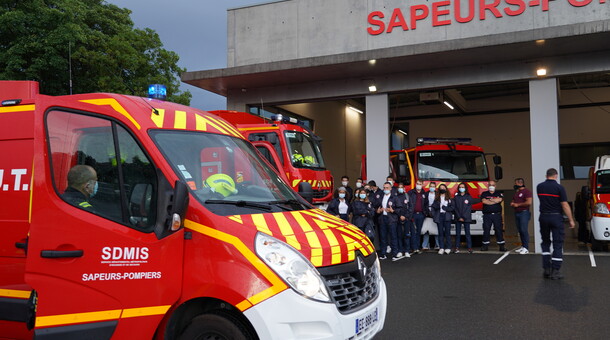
column 552, row 224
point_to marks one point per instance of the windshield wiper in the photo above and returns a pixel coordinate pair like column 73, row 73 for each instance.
column 241, row 203
column 291, row 202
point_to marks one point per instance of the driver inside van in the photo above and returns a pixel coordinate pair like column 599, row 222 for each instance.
column 82, row 185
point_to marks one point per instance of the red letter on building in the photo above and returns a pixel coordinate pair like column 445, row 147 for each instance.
column 490, row 7
column 581, row 3
column 436, row 13
column 458, row 16
column 414, row 16
column 514, row 12
column 376, row 22
column 397, row 20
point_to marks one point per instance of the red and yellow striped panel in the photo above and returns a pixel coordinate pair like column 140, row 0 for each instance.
column 184, row 120
column 324, row 239
column 324, row 184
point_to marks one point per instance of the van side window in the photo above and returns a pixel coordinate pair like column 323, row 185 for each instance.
column 98, row 166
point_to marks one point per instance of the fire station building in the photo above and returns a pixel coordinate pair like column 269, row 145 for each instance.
column 527, row 80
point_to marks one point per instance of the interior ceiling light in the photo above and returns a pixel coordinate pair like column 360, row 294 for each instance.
column 372, row 62
column 541, row 72
column 540, row 42
column 448, row 105
column 372, row 88
column 404, row 133
column 355, row 109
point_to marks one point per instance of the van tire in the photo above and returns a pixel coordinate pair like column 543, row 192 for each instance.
column 216, row 326
column 595, row 244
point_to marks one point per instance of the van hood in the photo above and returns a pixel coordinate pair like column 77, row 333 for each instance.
column 324, row 239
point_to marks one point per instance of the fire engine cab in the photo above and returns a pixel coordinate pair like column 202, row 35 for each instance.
column 126, row 217
column 598, row 194
column 449, row 161
column 289, row 147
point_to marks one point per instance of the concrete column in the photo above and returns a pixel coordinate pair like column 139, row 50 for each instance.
column 377, row 138
column 544, row 124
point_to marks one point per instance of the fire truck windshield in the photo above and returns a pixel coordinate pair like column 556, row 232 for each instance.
column 225, row 173
column 304, row 150
column 603, row 182
column 452, row 166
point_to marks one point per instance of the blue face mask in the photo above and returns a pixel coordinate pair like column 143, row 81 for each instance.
column 362, row 196
column 94, row 190
column 341, row 195
column 401, row 190
column 462, row 189
column 387, row 191
column 432, row 189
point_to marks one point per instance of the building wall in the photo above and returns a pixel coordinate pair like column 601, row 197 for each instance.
column 295, row 29
column 343, row 133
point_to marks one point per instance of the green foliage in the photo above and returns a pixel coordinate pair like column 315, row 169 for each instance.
column 107, row 53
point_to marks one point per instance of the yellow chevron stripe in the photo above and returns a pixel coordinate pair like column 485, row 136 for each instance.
column 17, row 108
column 113, row 103
column 13, row 293
column 180, row 120
column 286, row 230
column 261, row 224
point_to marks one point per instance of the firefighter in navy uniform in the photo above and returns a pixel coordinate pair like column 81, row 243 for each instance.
column 82, row 185
column 553, row 202
column 492, row 214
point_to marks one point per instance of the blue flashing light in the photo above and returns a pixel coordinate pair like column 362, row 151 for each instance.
column 157, row 91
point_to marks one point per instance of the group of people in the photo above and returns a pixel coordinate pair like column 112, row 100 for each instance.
column 399, row 216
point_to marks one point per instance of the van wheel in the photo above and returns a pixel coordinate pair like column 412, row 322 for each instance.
column 221, row 326
column 595, row 244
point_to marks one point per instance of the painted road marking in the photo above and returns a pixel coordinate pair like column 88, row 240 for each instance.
column 591, row 257
column 502, row 258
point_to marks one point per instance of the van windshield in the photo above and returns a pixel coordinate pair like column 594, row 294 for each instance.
column 225, row 173
column 603, row 182
column 452, row 165
column 304, row 150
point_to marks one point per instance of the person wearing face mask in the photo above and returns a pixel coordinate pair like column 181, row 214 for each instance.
column 429, row 224
column 348, row 190
column 388, row 219
column 362, row 210
column 442, row 209
column 359, row 183
column 394, row 189
column 419, row 202
column 82, row 185
column 522, row 199
column 405, row 214
column 492, row 215
column 462, row 214
column 340, row 206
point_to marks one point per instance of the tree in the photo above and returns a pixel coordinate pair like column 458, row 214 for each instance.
column 39, row 39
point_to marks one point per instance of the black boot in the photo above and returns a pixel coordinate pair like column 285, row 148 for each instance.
column 547, row 273
column 502, row 247
column 484, row 247
column 556, row 274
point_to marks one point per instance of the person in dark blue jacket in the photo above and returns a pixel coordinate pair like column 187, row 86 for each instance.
column 340, row 206
column 462, row 214
column 405, row 214
column 442, row 209
column 362, row 210
column 419, row 202
column 388, row 218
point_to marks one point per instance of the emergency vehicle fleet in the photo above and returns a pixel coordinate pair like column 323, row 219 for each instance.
column 449, row 161
column 188, row 232
column 598, row 194
column 290, row 147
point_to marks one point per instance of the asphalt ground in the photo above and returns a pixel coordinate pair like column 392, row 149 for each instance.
column 467, row 296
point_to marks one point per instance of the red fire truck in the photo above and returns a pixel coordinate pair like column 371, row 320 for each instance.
column 125, row 217
column 290, row 147
column 449, row 161
column 597, row 195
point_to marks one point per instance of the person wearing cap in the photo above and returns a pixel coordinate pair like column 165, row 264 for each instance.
column 553, row 204
column 340, row 206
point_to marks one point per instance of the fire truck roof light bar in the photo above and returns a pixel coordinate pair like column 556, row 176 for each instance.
column 443, row 140
column 287, row 120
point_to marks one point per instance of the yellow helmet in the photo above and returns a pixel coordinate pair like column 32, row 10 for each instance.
column 222, row 184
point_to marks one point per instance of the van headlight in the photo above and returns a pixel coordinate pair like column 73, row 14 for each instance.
column 601, row 208
column 292, row 267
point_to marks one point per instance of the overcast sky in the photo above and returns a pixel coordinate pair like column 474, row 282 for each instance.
column 195, row 29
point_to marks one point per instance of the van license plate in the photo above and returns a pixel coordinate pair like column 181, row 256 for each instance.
column 367, row 321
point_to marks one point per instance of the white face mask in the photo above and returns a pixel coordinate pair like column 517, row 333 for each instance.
column 358, row 185
column 391, row 183
column 492, row 188
column 418, row 186
column 344, row 183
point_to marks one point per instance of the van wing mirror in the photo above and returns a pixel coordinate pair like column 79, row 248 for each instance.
column 498, row 173
column 306, row 191
column 497, row 160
